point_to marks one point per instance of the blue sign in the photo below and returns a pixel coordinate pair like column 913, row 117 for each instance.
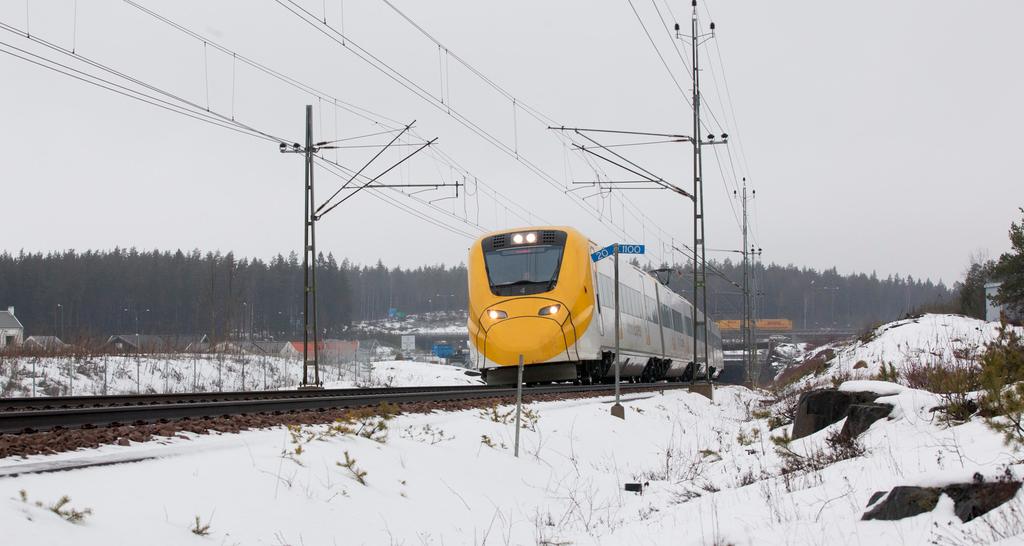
column 610, row 249
column 442, row 350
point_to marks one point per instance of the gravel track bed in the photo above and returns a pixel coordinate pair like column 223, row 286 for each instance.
column 61, row 440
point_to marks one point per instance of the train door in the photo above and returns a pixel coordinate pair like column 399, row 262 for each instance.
column 659, row 315
column 599, row 297
column 645, row 312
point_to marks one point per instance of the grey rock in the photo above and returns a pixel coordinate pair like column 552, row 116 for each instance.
column 875, row 496
column 970, row 500
column 974, row 499
column 820, row 408
column 904, row 502
column 861, row 416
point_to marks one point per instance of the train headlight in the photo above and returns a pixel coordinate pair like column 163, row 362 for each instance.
column 531, row 238
column 517, row 238
column 496, row 314
column 549, row 310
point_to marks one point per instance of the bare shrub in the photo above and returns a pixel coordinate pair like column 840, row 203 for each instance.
column 200, row 528
column 357, row 473
column 954, row 383
column 839, row 448
column 61, row 508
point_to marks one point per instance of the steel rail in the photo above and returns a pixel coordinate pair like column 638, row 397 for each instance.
column 86, row 401
column 33, row 420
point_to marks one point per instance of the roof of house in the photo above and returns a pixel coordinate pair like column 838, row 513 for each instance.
column 46, row 342
column 8, row 320
column 329, row 345
column 137, row 340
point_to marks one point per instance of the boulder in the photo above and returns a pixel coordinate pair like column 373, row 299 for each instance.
column 970, row 500
column 904, row 502
column 820, row 408
column 974, row 499
column 861, row 416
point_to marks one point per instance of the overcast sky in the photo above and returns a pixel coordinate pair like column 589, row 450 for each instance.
column 879, row 136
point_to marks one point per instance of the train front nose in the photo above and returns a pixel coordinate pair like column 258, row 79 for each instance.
column 520, row 329
column 537, row 339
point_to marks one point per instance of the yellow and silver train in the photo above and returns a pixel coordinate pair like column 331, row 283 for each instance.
column 535, row 292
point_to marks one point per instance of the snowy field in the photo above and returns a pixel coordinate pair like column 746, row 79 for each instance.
column 128, row 374
column 451, row 478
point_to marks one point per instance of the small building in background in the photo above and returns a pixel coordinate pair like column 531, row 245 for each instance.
column 12, row 333
column 150, row 343
column 995, row 312
column 331, row 350
column 135, row 343
column 47, row 344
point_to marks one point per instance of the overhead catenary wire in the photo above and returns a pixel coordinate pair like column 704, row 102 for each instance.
column 369, row 115
column 119, row 89
column 368, row 57
column 182, row 106
column 183, row 103
column 517, row 102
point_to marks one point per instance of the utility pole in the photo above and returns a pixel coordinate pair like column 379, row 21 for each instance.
column 700, row 295
column 309, row 269
column 309, row 314
column 747, row 323
column 617, row 409
column 313, row 214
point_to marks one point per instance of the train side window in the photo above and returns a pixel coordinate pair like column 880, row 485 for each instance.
column 677, row 321
column 666, row 316
column 652, row 310
column 605, row 286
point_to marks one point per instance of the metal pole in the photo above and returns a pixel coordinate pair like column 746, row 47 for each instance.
column 312, row 242
column 746, row 294
column 519, row 402
column 698, row 198
column 309, row 269
column 305, row 259
column 617, row 409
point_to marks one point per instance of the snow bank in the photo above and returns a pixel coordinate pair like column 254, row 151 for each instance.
column 877, row 387
column 929, row 340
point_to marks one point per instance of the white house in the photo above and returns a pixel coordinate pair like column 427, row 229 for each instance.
column 12, row 333
column 994, row 312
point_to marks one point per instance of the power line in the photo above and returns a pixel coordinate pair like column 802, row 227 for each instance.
column 196, row 108
column 128, row 92
column 374, row 117
column 377, row 63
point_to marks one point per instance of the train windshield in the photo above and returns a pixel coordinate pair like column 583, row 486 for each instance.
column 523, row 270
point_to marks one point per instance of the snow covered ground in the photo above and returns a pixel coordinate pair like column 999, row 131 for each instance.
column 451, row 478
column 929, row 340
column 405, row 373
column 126, row 374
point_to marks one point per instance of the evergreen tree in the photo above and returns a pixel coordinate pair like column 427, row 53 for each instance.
column 1010, row 270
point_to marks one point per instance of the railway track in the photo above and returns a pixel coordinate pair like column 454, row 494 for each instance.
column 42, row 414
